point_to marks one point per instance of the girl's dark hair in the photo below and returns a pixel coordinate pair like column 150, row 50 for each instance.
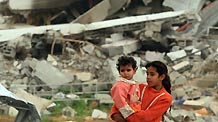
column 161, row 68
column 126, row 60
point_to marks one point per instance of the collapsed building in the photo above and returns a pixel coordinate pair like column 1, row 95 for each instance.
column 79, row 52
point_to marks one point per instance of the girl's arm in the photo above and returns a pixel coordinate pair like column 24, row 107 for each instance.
column 155, row 111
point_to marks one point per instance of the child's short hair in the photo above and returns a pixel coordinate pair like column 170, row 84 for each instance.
column 126, row 60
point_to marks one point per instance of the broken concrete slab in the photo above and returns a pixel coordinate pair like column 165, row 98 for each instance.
column 154, row 56
column 177, row 78
column 179, row 93
column 84, row 76
column 59, row 96
column 207, row 81
column 35, row 4
column 183, row 115
column 95, row 14
column 214, row 107
column 182, row 66
column 51, row 59
column 70, row 29
column 177, row 5
column 98, row 114
column 68, row 111
column 27, row 111
column 203, row 102
column 89, row 48
column 89, row 86
column 40, row 103
column 50, row 75
column 176, row 55
column 121, row 47
column 208, row 19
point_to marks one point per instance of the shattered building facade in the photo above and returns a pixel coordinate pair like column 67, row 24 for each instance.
column 74, row 44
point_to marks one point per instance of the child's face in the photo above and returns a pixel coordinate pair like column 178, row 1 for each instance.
column 153, row 78
column 127, row 72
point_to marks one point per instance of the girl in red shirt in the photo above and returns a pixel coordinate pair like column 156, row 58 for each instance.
column 155, row 96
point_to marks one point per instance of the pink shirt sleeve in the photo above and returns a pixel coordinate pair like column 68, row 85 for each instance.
column 119, row 93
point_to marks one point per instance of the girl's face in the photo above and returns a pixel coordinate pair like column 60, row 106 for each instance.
column 153, row 78
column 127, row 72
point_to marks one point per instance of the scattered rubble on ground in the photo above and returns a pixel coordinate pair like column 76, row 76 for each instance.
column 70, row 48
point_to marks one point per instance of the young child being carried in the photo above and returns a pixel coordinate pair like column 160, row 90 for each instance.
column 125, row 92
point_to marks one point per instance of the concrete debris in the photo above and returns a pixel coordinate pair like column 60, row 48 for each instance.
column 176, row 55
column 182, row 66
column 203, row 102
column 89, row 48
column 72, row 96
column 34, row 5
column 208, row 19
column 98, row 114
column 154, row 56
column 183, row 115
column 59, row 96
column 70, row 29
column 121, row 47
column 83, row 76
column 40, row 103
column 68, row 111
column 177, row 78
column 27, row 111
column 214, row 107
column 194, row 5
column 45, row 72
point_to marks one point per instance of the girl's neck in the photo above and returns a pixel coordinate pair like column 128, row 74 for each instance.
column 158, row 87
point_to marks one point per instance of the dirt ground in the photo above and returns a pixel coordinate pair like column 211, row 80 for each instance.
column 5, row 118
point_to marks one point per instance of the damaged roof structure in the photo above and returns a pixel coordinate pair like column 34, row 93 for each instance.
column 70, row 48
column 27, row 111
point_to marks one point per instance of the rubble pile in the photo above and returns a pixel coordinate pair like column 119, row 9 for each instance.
column 70, row 50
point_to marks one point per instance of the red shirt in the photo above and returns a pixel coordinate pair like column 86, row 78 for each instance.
column 154, row 105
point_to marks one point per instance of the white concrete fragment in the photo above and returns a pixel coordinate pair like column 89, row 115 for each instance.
column 154, row 56
column 88, row 48
column 40, row 103
column 203, row 102
column 38, row 4
column 68, row 29
column 181, row 65
column 84, row 76
column 50, row 75
column 99, row 114
column 178, row 5
column 52, row 60
column 176, row 55
column 121, row 47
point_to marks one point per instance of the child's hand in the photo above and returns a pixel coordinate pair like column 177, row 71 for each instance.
column 117, row 117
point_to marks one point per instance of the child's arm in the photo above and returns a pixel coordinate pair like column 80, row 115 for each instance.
column 119, row 93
